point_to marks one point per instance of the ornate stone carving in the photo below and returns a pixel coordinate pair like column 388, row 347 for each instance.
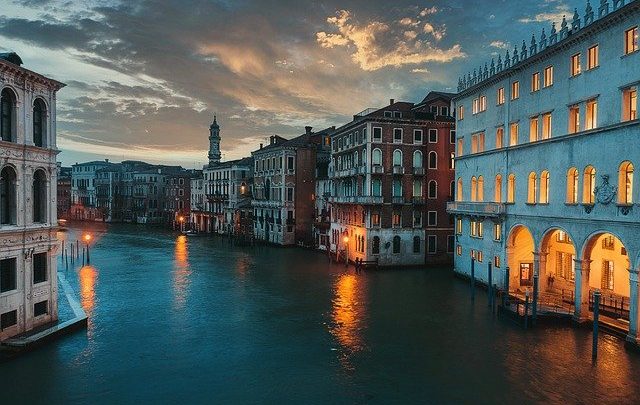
column 605, row 193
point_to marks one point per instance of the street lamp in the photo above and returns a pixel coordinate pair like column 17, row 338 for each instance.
column 87, row 239
column 181, row 219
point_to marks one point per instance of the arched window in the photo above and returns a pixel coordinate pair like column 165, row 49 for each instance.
column 416, row 244
column 544, row 187
column 459, row 195
column 397, row 157
column 8, row 202
column 474, row 189
column 480, row 191
column 376, row 157
column 396, row 244
column 397, row 188
column 417, row 159
column 417, row 188
column 364, row 157
column 39, row 122
column 497, row 189
column 433, row 189
column 452, row 190
column 532, row 188
column 376, row 188
column 433, row 160
column 511, row 188
column 625, row 183
column 589, row 185
column 267, row 189
column 572, row 186
column 375, row 248
column 39, row 197
column 452, row 161
column 355, row 158
column 7, row 115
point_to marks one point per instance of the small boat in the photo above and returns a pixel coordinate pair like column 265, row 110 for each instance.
column 192, row 233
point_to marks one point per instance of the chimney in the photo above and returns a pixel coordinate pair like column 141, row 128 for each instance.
column 106, row 160
column 307, row 130
column 391, row 101
column 260, row 146
column 272, row 140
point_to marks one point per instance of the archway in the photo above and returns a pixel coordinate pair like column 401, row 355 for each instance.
column 520, row 248
column 557, row 267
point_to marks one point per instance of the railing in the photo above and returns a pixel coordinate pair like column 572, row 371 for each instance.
column 486, row 209
column 398, row 200
column 418, row 171
column 614, row 306
column 418, row 200
column 357, row 200
column 398, row 169
column 377, row 169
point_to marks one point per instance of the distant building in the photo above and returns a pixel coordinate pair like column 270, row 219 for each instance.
column 546, row 148
column 63, row 192
column 285, row 187
column 392, row 175
column 322, row 214
column 83, row 190
column 28, row 223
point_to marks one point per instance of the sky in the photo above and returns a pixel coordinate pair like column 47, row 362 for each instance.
column 144, row 78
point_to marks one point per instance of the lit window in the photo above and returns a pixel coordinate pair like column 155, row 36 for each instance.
column 496, row 262
column 459, row 148
column 625, row 183
column 501, row 96
column 459, row 226
column 515, row 90
column 607, row 275
column 511, row 189
column 474, row 189
column 500, row 137
column 631, row 40
column 480, row 192
column 497, row 232
column 572, row 186
column 535, row 82
column 576, row 69
column 630, row 104
column 544, row 187
column 574, row 119
column 452, row 161
column 592, row 115
column 546, row 126
column 475, row 106
column 459, row 195
column 459, row 250
column 533, row 188
column 497, row 196
column 533, row 129
column 548, row 76
column 460, row 113
column 592, row 57
column 589, row 186
column 483, row 103
column 513, row 134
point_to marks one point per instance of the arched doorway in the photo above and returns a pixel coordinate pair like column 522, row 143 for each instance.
column 558, row 268
column 606, row 264
column 520, row 248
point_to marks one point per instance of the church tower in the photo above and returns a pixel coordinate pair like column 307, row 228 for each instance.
column 214, row 143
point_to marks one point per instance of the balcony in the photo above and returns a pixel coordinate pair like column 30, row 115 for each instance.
column 362, row 200
column 377, row 169
column 418, row 200
column 398, row 170
column 217, row 197
column 481, row 209
column 418, row 171
column 398, row 200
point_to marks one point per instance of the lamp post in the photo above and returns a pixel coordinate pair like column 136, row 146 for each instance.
column 181, row 219
column 87, row 239
column 346, row 250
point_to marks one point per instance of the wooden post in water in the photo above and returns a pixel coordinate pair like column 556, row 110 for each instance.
column 596, row 315
column 490, row 283
column 473, row 278
column 526, row 309
column 506, row 287
column 77, row 249
column 82, row 257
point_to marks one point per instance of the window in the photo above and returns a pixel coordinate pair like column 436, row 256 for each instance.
column 433, row 160
column 397, row 188
column 544, row 187
column 460, row 145
column 417, row 136
column 631, row 40
column 546, row 126
column 535, row 82
column 8, row 201
column 417, row 188
column 497, row 232
column 377, row 134
column 576, row 69
column 8, row 319
column 548, row 76
column 39, row 268
column 496, row 262
column 417, row 219
column 475, row 106
column 592, row 56
column 40, row 308
column 477, row 143
column 290, row 163
column 501, row 96
column 592, row 115
column 483, row 103
column 375, row 248
column 497, row 193
column 474, row 189
column 416, row 244
column 39, row 122
column 432, row 244
column 609, row 242
column 500, row 137
column 574, row 119
column 533, row 129
column 515, row 90
column 589, row 186
column 396, row 244
column 396, row 219
column 630, row 104
column 607, row 275
column 39, row 197
column 433, row 189
column 458, row 226
column 513, row 134
column 565, row 266
column 376, row 188
column 452, row 137
column 459, row 250
column 533, row 188
column 397, row 157
column 375, row 219
column 388, row 114
column 452, row 190
column 7, row 115
column 511, row 188
column 480, row 192
column 289, row 194
column 8, row 276
column 625, row 183
column 433, row 136
column 459, row 190
column 460, row 113
column 376, row 157
column 432, row 218
column 572, row 186
column 452, row 161
column 397, row 114
column 417, row 159
column 444, row 111
column 397, row 135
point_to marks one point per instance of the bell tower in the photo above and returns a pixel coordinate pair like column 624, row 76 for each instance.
column 214, row 143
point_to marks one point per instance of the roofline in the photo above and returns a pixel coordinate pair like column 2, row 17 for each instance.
column 5, row 65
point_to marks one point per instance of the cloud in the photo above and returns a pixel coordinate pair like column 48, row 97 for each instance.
column 558, row 11
column 499, row 45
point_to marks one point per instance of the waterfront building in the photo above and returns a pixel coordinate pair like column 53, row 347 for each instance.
column 83, row 190
column 546, row 146
column 177, row 204
column 28, row 223
column 322, row 223
column 284, row 178
column 391, row 170
column 63, row 192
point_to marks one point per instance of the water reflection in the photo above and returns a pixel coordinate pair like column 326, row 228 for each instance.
column 181, row 272
column 349, row 316
column 88, row 276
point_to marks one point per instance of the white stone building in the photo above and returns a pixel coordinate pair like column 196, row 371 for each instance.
column 547, row 140
column 28, row 278
column 84, row 196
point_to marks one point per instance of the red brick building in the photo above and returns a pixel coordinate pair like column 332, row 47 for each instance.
column 392, row 174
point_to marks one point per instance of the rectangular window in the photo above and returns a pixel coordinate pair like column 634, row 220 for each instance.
column 513, row 134
column 375, row 219
column 546, row 126
column 475, row 106
column 535, row 82
column 377, row 134
column 458, row 226
column 548, row 76
column 500, row 137
column 8, row 319
column 515, row 90
column 607, row 275
column 497, row 232
column 451, row 241
column 41, row 308
column 388, row 114
column 459, row 250
column 592, row 56
column 576, row 69
column 432, row 218
column 432, row 244
column 459, row 148
column 631, row 40
column 474, row 143
column 533, row 129
column 473, row 228
column 592, row 115
column 290, row 194
column 397, row 135
column 630, row 104
column 39, row 268
column 452, row 137
column 483, row 103
column 290, row 163
column 433, row 136
column 417, row 136
column 460, row 113
column 496, row 262
column 501, row 96
column 444, row 111
column 8, row 276
column 574, row 119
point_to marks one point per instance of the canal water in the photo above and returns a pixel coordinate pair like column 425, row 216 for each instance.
column 200, row 321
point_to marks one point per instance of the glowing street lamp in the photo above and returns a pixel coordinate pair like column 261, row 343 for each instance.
column 87, row 239
column 181, row 219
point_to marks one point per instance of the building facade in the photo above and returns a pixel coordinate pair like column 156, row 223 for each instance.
column 28, row 225
column 84, row 197
column 63, row 192
column 391, row 171
column 546, row 148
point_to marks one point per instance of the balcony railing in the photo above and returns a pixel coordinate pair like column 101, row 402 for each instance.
column 377, row 169
column 485, row 209
column 418, row 171
column 418, row 200
column 365, row 200
column 398, row 200
column 398, row 169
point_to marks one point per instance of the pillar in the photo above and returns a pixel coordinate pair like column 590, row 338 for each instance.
column 582, row 290
column 536, row 283
column 633, row 306
column 542, row 271
column 509, row 250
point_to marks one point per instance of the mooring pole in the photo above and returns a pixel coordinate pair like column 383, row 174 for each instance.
column 473, row 277
column 534, row 311
column 505, row 297
column 526, row 309
column 490, row 284
column 596, row 316
column 77, row 249
column 83, row 257
column 88, row 258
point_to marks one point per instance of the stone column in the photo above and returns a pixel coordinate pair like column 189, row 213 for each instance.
column 512, row 270
column 542, row 271
column 634, row 315
column 582, row 290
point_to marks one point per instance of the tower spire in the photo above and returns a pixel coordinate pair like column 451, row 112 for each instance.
column 214, row 142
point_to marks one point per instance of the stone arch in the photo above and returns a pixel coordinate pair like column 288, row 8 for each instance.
column 520, row 257
column 558, row 253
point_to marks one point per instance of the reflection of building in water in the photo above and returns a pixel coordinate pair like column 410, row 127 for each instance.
column 181, row 272
column 349, row 314
column 88, row 276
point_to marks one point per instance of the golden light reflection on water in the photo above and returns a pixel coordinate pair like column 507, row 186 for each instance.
column 181, row 272
column 349, row 316
column 88, row 276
